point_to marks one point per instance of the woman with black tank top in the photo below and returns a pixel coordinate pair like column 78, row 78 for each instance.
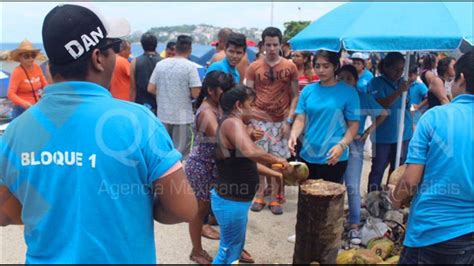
column 436, row 91
column 237, row 160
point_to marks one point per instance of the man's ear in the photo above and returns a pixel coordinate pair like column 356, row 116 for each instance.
column 462, row 81
column 97, row 61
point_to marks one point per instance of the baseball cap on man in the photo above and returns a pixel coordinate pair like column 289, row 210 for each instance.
column 72, row 32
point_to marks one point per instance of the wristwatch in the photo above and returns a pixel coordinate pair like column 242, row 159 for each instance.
column 290, row 121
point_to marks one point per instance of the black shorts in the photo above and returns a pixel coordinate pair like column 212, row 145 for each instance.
column 332, row 173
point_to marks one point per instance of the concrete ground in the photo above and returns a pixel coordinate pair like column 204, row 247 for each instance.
column 266, row 235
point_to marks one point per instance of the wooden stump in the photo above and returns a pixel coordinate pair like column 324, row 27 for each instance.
column 319, row 224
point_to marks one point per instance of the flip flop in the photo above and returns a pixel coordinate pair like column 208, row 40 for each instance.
column 209, row 232
column 275, row 208
column 204, row 259
column 245, row 257
column 212, row 220
column 258, row 205
column 281, row 199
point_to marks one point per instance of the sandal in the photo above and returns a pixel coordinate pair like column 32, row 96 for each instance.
column 210, row 233
column 258, row 205
column 267, row 192
column 245, row 257
column 202, row 258
column 281, row 199
column 275, row 208
column 211, row 220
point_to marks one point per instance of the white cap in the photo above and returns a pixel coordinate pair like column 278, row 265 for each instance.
column 359, row 55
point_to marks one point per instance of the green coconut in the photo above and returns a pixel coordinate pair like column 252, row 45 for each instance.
column 299, row 174
column 346, row 256
column 381, row 247
column 364, row 256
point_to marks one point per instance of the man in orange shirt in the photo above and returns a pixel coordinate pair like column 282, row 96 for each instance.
column 275, row 81
column 120, row 83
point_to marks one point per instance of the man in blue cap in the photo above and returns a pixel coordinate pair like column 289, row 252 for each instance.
column 89, row 171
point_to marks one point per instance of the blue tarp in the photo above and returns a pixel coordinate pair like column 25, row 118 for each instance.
column 4, row 79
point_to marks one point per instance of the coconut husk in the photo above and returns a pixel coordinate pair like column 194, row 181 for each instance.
column 365, row 256
column 381, row 247
column 346, row 256
column 397, row 175
column 391, row 261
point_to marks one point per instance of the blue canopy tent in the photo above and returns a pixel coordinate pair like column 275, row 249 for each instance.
column 389, row 27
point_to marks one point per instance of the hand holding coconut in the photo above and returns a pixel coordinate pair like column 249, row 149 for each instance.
column 296, row 174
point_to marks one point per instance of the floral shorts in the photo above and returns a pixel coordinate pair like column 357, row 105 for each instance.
column 273, row 141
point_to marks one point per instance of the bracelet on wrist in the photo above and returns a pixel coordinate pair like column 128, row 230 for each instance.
column 344, row 145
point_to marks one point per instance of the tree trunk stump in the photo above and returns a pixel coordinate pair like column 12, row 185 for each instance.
column 319, row 224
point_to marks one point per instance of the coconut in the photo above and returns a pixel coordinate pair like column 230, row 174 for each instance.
column 299, row 174
column 364, row 256
column 397, row 175
column 392, row 260
column 381, row 247
column 346, row 256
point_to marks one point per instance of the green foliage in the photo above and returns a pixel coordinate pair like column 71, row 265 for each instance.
column 293, row 27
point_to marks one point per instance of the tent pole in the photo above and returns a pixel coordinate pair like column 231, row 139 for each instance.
column 402, row 112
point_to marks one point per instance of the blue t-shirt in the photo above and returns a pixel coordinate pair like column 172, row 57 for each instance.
column 364, row 80
column 225, row 67
column 368, row 107
column 387, row 132
column 443, row 207
column 82, row 164
column 418, row 91
column 327, row 110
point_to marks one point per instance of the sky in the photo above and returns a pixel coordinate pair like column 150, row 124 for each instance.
column 24, row 20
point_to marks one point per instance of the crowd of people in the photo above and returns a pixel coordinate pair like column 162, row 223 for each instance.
column 204, row 150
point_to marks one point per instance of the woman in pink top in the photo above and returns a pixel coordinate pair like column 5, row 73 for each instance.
column 306, row 74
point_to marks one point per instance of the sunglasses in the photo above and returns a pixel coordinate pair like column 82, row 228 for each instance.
column 115, row 44
column 272, row 75
column 28, row 55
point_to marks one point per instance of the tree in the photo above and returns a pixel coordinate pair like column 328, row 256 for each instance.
column 293, row 27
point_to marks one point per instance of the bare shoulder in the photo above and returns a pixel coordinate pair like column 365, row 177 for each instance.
column 218, row 56
column 207, row 115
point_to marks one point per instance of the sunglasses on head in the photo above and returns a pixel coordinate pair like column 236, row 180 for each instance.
column 115, row 44
column 28, row 55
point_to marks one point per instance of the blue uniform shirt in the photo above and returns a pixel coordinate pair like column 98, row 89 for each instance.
column 418, row 91
column 82, row 165
column 364, row 80
column 443, row 207
column 368, row 107
column 387, row 132
column 326, row 109
column 225, row 67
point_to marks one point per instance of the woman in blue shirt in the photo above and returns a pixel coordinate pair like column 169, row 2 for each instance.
column 326, row 111
column 387, row 89
column 368, row 107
